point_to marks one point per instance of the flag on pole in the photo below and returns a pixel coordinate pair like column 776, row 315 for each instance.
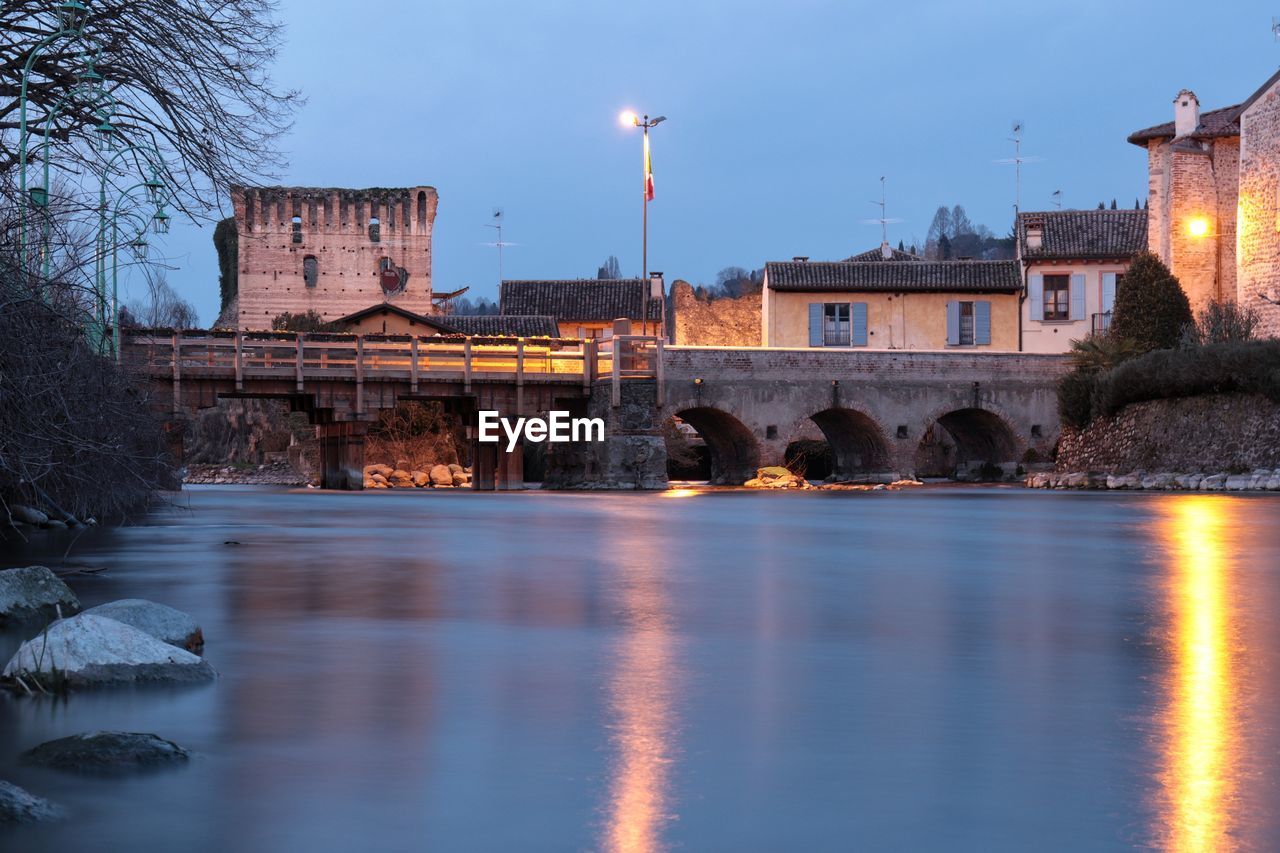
column 648, row 170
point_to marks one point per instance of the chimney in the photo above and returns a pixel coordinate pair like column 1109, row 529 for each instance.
column 800, row 259
column 1035, row 232
column 885, row 251
column 1186, row 113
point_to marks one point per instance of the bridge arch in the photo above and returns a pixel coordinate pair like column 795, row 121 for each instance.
column 968, row 443
column 857, row 442
column 734, row 451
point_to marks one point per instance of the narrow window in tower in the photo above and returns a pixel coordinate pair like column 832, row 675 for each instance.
column 297, row 229
column 310, row 270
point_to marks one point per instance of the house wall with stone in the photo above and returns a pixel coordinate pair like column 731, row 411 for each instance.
column 715, row 322
column 1258, row 238
column 1191, row 181
column 280, row 228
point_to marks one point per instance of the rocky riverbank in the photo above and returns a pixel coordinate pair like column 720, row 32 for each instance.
column 779, row 478
column 269, row 474
column 1260, row 480
column 402, row 476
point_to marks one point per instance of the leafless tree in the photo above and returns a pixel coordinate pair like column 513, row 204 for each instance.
column 163, row 308
column 191, row 77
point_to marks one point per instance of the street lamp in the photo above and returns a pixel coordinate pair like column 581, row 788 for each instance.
column 644, row 122
column 159, row 223
column 72, row 16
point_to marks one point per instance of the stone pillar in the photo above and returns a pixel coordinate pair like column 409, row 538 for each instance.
column 633, row 454
column 341, row 453
column 484, row 466
column 510, row 474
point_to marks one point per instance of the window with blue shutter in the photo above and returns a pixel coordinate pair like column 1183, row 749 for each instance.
column 1035, row 293
column 982, row 322
column 859, row 324
column 1108, row 291
column 1077, row 296
column 815, row 324
column 953, row 324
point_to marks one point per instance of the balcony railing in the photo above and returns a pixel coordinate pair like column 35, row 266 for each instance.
column 1101, row 323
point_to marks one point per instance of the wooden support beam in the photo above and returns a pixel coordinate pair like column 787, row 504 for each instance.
column 360, row 375
column 239, row 360
column 177, row 371
column 413, row 366
column 466, row 366
column 519, row 377
column 615, row 394
column 658, row 372
column 299, row 369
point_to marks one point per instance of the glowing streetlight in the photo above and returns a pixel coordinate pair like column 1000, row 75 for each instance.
column 1198, row 227
column 628, row 118
column 645, row 123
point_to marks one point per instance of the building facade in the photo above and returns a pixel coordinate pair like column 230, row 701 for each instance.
column 891, row 303
column 1072, row 262
column 1214, row 189
column 587, row 307
column 332, row 251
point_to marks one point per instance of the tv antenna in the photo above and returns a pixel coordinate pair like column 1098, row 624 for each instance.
column 1275, row 28
column 1017, row 160
column 884, row 220
column 499, row 244
column 1057, row 199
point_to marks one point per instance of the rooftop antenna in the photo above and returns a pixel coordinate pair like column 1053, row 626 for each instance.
column 883, row 221
column 1275, row 28
column 1017, row 160
column 499, row 244
column 1057, row 199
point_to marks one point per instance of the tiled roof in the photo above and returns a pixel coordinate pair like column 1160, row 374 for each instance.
column 877, row 255
column 897, row 276
column 583, row 299
column 1085, row 234
column 520, row 326
column 1223, row 122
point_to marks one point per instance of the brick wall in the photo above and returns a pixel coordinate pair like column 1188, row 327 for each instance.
column 1258, row 241
column 334, row 226
column 715, row 322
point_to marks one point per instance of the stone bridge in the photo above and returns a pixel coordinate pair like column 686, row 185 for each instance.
column 882, row 412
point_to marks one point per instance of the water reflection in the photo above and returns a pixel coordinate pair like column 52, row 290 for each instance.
column 642, row 691
column 1201, row 748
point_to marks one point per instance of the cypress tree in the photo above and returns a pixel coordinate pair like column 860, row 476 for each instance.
column 1151, row 307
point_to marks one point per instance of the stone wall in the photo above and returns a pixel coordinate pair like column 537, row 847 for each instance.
column 715, row 322
column 1214, row 433
column 1259, row 211
column 633, row 454
column 334, row 226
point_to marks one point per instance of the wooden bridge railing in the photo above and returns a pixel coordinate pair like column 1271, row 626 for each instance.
column 246, row 356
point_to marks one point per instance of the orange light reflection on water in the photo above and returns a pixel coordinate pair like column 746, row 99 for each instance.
column 1201, row 743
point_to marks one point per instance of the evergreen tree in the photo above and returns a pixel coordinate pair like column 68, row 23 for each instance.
column 900, row 249
column 1113, row 204
column 610, row 268
column 944, row 248
column 1151, row 308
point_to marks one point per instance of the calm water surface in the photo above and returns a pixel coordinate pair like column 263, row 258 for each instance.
column 954, row 669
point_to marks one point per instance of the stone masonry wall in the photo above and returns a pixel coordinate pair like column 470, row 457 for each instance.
column 1259, row 211
column 335, row 232
column 715, row 322
column 1213, row 433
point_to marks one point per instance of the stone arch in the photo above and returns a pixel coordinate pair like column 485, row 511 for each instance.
column 967, row 444
column 858, row 445
column 734, row 452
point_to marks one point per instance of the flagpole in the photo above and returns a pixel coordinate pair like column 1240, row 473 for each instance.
column 644, row 247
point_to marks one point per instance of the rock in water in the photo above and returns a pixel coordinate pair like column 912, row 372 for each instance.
column 18, row 806
column 421, row 479
column 159, row 620
column 107, row 753
column 94, row 651
column 34, row 591
column 27, row 515
column 441, row 476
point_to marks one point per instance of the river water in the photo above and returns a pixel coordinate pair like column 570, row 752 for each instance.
column 946, row 668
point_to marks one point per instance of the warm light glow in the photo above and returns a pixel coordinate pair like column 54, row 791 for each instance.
column 1199, row 226
column 629, row 118
column 678, row 493
column 1201, row 743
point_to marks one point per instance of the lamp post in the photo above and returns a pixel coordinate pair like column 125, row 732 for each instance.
column 72, row 16
column 644, row 122
column 154, row 187
column 160, row 224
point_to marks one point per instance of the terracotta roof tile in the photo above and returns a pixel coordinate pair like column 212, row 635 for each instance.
column 896, row 276
column 1085, row 234
column 584, row 299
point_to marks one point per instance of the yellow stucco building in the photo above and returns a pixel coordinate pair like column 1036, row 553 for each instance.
column 892, row 301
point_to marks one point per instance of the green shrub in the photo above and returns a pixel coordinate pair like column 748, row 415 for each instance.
column 1151, row 308
column 1075, row 395
column 1251, row 367
column 1222, row 321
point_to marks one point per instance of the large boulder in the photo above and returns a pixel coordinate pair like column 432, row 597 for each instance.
column 441, row 475
column 107, row 753
column 27, row 515
column 159, row 620
column 94, row 651
column 19, row 806
column 33, row 592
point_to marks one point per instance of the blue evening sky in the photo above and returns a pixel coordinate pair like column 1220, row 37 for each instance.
column 782, row 116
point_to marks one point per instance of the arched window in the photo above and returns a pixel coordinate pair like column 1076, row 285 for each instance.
column 422, row 211
column 375, row 229
column 310, row 270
